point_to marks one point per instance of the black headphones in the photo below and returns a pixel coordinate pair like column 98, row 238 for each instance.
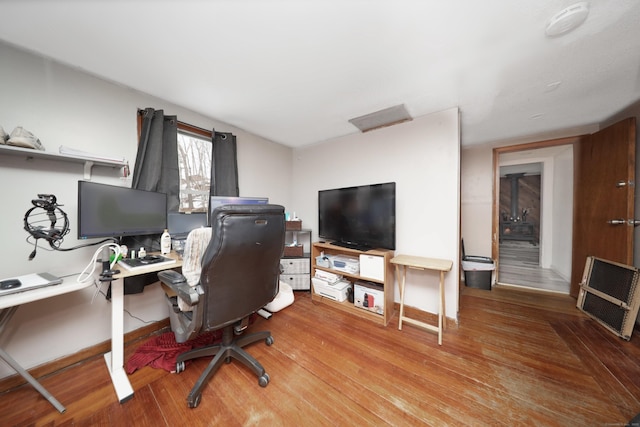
column 52, row 234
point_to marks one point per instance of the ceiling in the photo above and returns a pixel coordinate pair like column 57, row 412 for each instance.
column 296, row 71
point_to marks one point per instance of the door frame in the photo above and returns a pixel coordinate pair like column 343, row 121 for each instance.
column 495, row 208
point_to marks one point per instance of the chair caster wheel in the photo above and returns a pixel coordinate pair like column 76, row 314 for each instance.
column 264, row 380
column 179, row 367
column 194, row 402
column 269, row 340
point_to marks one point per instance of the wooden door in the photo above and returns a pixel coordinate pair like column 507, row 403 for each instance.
column 604, row 176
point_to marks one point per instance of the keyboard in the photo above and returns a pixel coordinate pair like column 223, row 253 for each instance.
column 145, row 262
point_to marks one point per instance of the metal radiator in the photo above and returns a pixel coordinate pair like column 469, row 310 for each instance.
column 609, row 294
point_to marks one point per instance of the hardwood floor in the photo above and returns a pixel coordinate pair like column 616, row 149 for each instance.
column 516, row 358
column 520, row 265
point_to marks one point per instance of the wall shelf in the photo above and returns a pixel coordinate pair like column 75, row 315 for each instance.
column 89, row 162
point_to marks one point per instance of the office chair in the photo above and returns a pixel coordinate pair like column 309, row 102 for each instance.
column 239, row 275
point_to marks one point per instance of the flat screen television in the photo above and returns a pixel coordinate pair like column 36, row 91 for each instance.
column 362, row 217
column 216, row 201
column 113, row 211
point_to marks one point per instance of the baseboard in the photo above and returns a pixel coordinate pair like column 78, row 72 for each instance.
column 11, row 382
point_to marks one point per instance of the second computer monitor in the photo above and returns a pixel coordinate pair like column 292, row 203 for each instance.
column 216, row 201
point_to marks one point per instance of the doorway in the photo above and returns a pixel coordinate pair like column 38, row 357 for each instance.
column 535, row 205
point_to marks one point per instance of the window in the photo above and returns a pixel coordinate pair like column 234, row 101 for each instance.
column 194, row 163
column 195, row 152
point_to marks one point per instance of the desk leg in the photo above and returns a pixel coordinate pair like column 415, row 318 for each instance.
column 401, row 280
column 115, row 358
column 5, row 316
column 441, row 315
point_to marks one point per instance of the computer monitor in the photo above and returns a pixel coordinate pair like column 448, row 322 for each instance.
column 180, row 223
column 113, row 211
column 216, row 201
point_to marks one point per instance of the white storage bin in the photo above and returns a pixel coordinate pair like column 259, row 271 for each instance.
column 372, row 267
column 298, row 282
column 295, row 266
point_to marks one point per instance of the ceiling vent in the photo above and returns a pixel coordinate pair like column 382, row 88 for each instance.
column 383, row 118
column 567, row 19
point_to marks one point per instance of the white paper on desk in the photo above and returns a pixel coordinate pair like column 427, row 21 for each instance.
column 78, row 153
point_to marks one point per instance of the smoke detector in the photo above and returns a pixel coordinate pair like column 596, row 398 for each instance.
column 567, row 19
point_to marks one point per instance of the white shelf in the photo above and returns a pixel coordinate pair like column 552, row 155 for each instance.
column 89, row 162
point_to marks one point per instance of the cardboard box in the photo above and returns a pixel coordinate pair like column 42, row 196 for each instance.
column 293, row 251
column 293, row 225
column 372, row 267
column 369, row 296
column 336, row 291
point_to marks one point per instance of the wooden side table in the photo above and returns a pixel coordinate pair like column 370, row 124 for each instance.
column 402, row 263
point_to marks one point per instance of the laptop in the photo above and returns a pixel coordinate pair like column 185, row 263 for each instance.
column 27, row 282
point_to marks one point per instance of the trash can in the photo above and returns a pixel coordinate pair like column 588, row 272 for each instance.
column 478, row 270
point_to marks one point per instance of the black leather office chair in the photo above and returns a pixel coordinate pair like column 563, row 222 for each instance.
column 240, row 274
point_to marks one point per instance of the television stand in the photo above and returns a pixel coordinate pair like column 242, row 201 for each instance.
column 386, row 280
column 352, row 245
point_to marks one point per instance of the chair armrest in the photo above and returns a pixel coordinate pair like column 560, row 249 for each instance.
column 189, row 294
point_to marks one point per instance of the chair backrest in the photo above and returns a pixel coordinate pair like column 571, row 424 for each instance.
column 241, row 265
column 194, row 248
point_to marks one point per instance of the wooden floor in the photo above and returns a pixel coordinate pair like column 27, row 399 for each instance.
column 515, row 359
column 520, row 265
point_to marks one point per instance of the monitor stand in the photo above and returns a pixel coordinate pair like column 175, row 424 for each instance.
column 352, row 245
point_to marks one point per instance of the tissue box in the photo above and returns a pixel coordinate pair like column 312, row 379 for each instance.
column 369, row 296
column 336, row 291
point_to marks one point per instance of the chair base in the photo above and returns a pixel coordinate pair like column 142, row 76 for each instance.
column 223, row 352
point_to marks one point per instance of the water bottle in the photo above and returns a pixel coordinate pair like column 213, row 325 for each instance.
column 165, row 243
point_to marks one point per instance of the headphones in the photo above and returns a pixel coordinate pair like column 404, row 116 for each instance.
column 52, row 234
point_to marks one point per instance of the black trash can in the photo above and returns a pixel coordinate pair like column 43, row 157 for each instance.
column 478, row 270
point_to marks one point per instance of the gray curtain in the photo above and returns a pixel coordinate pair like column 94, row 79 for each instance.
column 156, row 167
column 224, row 170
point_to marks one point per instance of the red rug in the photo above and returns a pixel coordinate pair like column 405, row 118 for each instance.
column 162, row 351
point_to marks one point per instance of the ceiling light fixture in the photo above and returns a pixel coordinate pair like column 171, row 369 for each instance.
column 387, row 117
column 567, row 19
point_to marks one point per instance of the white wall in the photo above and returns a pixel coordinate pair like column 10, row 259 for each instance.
column 423, row 158
column 563, row 213
column 63, row 106
column 476, row 194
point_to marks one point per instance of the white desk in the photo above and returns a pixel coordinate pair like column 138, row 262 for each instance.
column 9, row 305
column 403, row 262
column 115, row 358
